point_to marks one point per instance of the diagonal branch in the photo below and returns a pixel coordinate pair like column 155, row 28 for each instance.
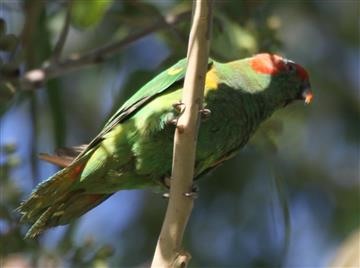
column 37, row 77
column 169, row 251
column 63, row 35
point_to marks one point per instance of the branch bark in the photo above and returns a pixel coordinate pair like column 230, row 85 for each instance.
column 37, row 77
column 64, row 33
column 168, row 251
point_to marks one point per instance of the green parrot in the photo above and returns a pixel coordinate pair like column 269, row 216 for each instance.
column 134, row 149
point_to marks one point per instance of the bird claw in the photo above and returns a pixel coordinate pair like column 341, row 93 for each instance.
column 193, row 195
column 179, row 107
column 173, row 121
column 205, row 113
column 166, row 181
column 194, row 192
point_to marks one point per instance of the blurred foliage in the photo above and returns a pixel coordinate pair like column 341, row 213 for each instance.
column 9, row 66
column 85, row 14
column 288, row 199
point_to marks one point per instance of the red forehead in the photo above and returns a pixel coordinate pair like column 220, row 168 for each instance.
column 272, row 64
column 302, row 72
column 267, row 63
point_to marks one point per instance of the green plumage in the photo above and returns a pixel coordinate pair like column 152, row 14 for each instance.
column 134, row 150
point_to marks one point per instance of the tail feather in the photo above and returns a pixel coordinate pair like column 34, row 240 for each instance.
column 48, row 191
column 63, row 157
column 56, row 201
column 65, row 211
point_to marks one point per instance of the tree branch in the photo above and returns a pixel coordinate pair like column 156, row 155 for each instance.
column 168, row 251
column 63, row 35
column 35, row 78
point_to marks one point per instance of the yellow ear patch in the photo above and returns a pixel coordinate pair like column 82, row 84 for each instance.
column 212, row 80
column 174, row 70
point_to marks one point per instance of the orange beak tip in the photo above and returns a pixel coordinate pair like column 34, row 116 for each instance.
column 308, row 96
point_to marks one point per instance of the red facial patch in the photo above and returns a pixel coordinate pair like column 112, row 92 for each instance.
column 302, row 72
column 267, row 63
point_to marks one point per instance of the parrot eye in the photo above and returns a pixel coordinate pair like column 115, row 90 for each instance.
column 290, row 67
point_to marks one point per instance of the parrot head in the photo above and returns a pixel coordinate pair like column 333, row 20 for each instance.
column 288, row 81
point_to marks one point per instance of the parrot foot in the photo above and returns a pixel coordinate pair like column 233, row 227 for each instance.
column 194, row 192
column 172, row 122
column 179, row 107
column 166, row 181
column 205, row 113
column 192, row 195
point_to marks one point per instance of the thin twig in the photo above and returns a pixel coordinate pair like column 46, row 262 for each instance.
column 36, row 77
column 169, row 252
column 32, row 13
column 63, row 35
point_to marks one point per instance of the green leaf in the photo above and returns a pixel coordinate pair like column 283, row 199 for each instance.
column 230, row 40
column 88, row 13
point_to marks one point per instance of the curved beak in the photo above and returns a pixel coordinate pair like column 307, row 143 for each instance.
column 307, row 95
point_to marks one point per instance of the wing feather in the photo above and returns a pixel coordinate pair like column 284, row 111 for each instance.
column 149, row 91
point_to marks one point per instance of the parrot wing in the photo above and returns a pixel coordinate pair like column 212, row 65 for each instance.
column 145, row 94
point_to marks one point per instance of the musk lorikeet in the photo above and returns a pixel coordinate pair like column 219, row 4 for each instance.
column 134, row 149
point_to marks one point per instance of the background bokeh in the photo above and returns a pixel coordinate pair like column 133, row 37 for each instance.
column 289, row 199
